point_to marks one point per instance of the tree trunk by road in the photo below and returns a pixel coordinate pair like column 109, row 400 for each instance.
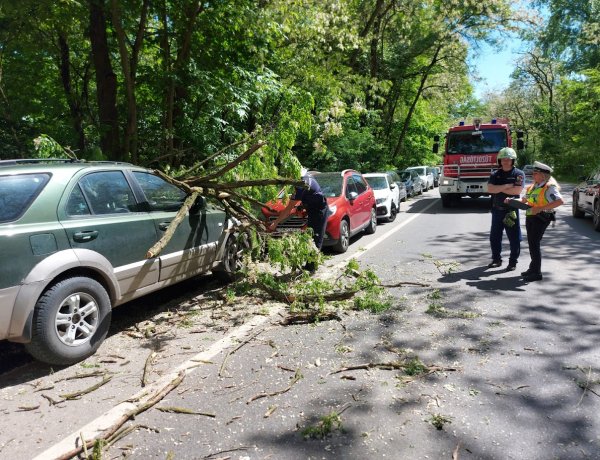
column 106, row 84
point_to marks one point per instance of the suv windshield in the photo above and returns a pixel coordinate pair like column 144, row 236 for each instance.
column 489, row 141
column 330, row 183
column 18, row 192
column 377, row 182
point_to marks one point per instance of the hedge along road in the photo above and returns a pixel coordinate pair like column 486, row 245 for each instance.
column 506, row 370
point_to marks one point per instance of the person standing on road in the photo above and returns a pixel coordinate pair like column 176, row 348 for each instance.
column 505, row 182
column 312, row 199
column 543, row 196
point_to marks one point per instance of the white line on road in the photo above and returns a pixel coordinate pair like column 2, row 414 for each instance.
column 97, row 426
column 374, row 243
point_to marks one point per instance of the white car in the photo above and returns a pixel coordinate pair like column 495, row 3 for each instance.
column 387, row 195
column 425, row 175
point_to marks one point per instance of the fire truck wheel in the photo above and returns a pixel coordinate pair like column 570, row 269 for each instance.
column 446, row 200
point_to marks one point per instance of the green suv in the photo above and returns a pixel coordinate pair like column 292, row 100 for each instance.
column 73, row 241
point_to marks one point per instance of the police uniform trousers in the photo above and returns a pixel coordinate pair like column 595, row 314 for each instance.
column 513, row 233
column 535, row 226
column 317, row 220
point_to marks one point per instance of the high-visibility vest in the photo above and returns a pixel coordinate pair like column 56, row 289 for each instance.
column 536, row 196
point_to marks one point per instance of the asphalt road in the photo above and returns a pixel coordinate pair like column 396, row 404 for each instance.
column 511, row 368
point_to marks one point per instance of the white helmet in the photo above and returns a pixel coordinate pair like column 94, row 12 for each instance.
column 507, row 152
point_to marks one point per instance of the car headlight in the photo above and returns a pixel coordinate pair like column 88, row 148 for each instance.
column 332, row 210
column 446, row 182
column 380, row 200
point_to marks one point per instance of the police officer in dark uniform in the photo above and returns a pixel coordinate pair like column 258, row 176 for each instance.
column 314, row 202
column 505, row 182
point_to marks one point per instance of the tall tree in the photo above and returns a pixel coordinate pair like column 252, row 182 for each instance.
column 106, row 83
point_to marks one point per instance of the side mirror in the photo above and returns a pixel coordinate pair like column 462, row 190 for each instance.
column 352, row 196
column 392, row 186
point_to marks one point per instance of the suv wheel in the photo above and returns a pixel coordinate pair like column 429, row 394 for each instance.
column 70, row 321
column 372, row 223
column 236, row 247
column 344, row 241
column 577, row 213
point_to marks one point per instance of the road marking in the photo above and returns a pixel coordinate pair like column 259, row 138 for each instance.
column 374, row 243
column 97, row 426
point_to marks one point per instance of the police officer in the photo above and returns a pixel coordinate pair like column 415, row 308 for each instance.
column 505, row 182
column 314, row 202
column 543, row 196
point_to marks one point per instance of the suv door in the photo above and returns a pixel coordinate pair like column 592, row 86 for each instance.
column 100, row 214
column 193, row 247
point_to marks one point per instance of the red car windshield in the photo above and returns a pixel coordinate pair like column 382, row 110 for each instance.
column 330, row 183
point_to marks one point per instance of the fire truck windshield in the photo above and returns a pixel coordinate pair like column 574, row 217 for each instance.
column 485, row 141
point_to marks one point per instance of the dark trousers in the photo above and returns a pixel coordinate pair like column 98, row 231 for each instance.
column 317, row 220
column 535, row 227
column 513, row 233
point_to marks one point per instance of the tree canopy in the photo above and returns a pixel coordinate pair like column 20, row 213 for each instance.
column 360, row 84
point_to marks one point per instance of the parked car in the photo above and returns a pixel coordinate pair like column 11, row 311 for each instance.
column 402, row 193
column 412, row 181
column 77, row 236
column 386, row 195
column 586, row 199
column 352, row 208
column 435, row 172
column 425, row 175
column 528, row 170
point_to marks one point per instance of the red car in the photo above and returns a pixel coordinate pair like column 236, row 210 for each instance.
column 352, row 208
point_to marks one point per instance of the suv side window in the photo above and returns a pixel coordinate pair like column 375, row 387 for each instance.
column 18, row 192
column 161, row 195
column 361, row 186
column 106, row 192
column 77, row 206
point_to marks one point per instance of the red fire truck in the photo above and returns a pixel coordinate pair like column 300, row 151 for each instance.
column 470, row 157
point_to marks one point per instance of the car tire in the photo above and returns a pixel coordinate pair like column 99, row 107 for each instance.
column 344, row 241
column 577, row 213
column 70, row 321
column 446, row 200
column 236, row 246
column 596, row 216
column 393, row 213
column 372, row 223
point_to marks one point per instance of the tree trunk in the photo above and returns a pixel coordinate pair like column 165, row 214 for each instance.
column 179, row 91
column 409, row 115
column 72, row 101
column 106, row 84
column 129, row 66
column 168, row 93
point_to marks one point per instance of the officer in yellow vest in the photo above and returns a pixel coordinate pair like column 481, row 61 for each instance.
column 542, row 196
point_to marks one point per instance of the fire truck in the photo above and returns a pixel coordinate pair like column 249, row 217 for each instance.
column 469, row 154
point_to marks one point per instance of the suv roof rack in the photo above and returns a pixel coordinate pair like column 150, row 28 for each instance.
column 20, row 161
